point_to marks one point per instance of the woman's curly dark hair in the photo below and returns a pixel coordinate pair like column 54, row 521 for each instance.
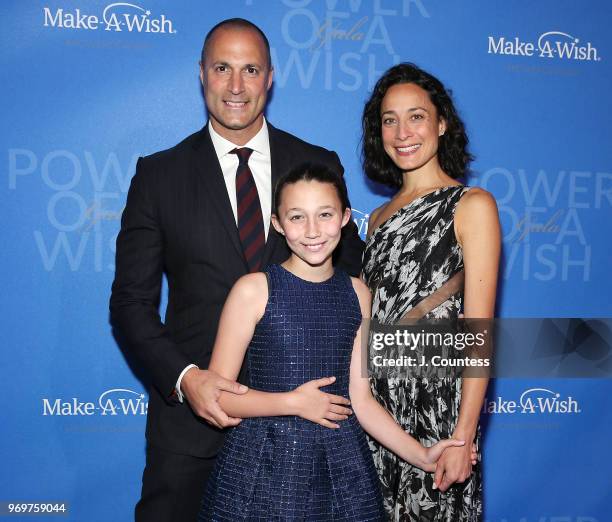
column 453, row 155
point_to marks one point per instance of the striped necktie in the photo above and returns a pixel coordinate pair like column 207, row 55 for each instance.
column 250, row 220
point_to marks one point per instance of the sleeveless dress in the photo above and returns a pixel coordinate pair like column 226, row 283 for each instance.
column 406, row 259
column 287, row 468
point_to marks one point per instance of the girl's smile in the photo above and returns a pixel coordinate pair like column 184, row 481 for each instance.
column 311, row 218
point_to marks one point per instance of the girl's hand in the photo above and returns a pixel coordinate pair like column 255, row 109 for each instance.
column 312, row 404
column 431, row 455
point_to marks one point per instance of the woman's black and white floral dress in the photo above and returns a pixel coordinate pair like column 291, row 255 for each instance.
column 407, row 258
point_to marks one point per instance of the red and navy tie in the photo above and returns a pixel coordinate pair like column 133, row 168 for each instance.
column 250, row 220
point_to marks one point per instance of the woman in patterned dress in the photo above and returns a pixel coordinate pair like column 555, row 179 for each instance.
column 433, row 231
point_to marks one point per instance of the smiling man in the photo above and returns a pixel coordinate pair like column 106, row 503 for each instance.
column 200, row 213
column 236, row 74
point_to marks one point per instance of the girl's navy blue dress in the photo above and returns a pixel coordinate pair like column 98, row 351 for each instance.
column 288, row 468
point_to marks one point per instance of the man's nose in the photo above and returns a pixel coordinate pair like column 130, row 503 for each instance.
column 236, row 83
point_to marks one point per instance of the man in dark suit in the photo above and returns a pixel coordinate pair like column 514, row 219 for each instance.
column 186, row 216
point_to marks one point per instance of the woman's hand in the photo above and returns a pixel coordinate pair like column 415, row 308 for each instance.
column 431, row 455
column 312, row 404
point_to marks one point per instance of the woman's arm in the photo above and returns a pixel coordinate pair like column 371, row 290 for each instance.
column 478, row 232
column 373, row 417
column 244, row 307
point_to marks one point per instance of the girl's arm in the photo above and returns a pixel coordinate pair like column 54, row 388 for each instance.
column 373, row 417
column 244, row 307
column 478, row 232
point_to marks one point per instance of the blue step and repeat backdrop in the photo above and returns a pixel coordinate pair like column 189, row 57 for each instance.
column 91, row 85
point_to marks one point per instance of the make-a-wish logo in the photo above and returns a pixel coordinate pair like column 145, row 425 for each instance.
column 533, row 401
column 361, row 219
column 552, row 45
column 116, row 17
column 118, row 401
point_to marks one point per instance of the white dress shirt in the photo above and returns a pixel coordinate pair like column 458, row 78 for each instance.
column 260, row 164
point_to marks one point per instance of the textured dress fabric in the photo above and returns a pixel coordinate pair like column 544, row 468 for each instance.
column 407, row 258
column 288, row 468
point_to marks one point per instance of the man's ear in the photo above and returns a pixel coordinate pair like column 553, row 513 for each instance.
column 202, row 74
column 270, row 77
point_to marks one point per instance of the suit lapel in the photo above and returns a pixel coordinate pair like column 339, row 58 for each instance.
column 210, row 173
column 280, row 162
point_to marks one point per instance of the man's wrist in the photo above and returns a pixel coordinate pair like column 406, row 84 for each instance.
column 179, row 393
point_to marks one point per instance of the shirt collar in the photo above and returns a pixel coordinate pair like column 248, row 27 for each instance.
column 260, row 143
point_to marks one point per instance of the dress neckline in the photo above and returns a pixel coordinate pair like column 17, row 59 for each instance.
column 409, row 204
column 306, row 280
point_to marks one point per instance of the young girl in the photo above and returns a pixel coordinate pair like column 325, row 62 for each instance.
column 300, row 454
